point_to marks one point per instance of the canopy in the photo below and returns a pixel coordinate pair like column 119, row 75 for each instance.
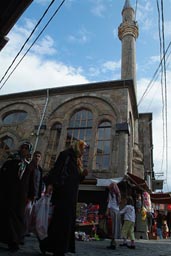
column 139, row 182
column 106, row 182
column 161, row 198
column 133, row 179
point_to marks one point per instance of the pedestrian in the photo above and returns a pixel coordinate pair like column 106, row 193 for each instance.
column 36, row 185
column 63, row 181
column 114, row 199
column 129, row 223
column 36, row 188
column 159, row 220
column 14, row 181
column 165, row 229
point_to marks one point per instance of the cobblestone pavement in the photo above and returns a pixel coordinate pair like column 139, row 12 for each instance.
column 98, row 248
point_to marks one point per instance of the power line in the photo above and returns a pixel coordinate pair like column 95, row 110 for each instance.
column 163, row 82
column 58, row 8
column 154, row 75
column 136, row 4
column 38, row 23
column 162, row 93
column 165, row 85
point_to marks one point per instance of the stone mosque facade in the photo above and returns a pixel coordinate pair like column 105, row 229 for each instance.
column 104, row 114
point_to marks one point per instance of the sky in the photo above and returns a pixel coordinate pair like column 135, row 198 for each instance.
column 80, row 45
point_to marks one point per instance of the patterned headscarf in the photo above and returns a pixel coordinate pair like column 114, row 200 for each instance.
column 17, row 155
column 78, row 147
column 22, row 161
column 30, row 146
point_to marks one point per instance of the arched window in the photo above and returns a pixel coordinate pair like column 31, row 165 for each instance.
column 14, row 117
column 80, row 127
column 6, row 143
column 103, row 150
column 53, row 142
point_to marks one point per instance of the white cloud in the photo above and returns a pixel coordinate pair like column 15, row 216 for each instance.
column 45, row 47
column 111, row 65
column 98, row 9
column 94, row 71
column 154, row 59
column 82, row 37
column 167, row 31
column 34, row 72
column 115, row 33
column 144, row 15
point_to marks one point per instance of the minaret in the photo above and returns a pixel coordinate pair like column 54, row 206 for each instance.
column 128, row 33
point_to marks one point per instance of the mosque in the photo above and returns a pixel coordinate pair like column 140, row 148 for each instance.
column 104, row 114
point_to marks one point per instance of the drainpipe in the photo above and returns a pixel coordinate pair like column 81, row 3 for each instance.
column 41, row 121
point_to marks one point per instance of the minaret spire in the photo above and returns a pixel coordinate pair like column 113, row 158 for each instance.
column 127, row 4
column 128, row 33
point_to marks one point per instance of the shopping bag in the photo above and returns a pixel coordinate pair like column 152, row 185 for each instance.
column 32, row 221
column 42, row 207
column 29, row 217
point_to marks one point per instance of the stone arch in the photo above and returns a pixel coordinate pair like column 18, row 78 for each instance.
column 91, row 102
column 4, row 152
column 27, row 107
column 101, row 108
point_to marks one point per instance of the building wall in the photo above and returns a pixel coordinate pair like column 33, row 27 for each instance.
column 146, row 144
column 113, row 101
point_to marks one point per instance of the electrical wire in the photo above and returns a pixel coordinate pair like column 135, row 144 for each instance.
column 136, row 4
column 56, row 11
column 163, row 82
column 162, row 92
column 165, row 86
column 154, row 75
column 156, row 78
column 38, row 23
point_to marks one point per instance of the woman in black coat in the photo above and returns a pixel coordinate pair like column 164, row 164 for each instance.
column 14, row 180
column 64, row 179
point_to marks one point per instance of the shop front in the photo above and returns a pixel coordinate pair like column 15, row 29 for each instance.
column 92, row 204
column 161, row 203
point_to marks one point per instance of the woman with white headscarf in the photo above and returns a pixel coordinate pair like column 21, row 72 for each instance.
column 114, row 199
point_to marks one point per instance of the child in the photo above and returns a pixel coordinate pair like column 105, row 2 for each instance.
column 129, row 223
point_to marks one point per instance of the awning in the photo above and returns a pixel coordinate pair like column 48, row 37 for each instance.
column 161, row 198
column 106, row 182
column 138, row 182
column 132, row 179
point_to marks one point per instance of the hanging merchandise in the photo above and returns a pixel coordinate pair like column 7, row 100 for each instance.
column 143, row 213
column 169, row 207
column 147, row 201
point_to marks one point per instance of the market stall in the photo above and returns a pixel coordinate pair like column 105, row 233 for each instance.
column 95, row 194
column 161, row 202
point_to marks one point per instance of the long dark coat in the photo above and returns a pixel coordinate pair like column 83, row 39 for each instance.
column 13, row 194
column 61, row 233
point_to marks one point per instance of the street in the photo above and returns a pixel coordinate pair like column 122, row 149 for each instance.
column 93, row 248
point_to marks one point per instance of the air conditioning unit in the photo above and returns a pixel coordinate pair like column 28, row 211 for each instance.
column 157, row 184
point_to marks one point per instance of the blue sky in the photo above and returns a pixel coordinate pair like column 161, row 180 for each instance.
column 81, row 45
